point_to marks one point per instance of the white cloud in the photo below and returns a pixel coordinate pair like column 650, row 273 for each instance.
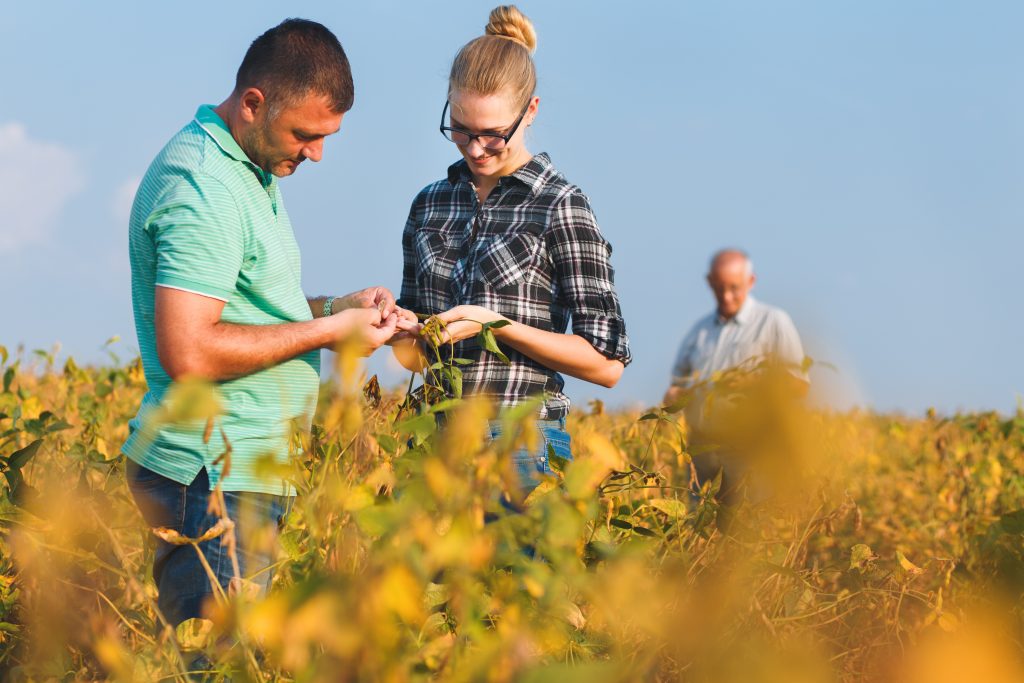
column 123, row 198
column 37, row 179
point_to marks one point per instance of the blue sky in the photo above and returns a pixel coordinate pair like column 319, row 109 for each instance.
column 869, row 155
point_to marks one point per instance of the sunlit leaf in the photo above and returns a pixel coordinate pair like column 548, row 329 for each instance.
column 861, row 556
column 195, row 634
column 670, row 506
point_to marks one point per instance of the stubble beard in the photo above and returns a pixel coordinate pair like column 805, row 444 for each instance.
column 255, row 144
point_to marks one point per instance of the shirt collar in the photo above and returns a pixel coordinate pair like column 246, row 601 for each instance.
column 742, row 316
column 533, row 175
column 216, row 128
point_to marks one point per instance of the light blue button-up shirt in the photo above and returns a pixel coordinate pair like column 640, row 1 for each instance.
column 758, row 332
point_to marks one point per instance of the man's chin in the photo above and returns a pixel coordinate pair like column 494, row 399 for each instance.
column 284, row 168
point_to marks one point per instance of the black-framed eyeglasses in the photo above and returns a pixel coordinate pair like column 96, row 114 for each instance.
column 490, row 141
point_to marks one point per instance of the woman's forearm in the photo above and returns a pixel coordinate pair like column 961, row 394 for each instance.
column 569, row 354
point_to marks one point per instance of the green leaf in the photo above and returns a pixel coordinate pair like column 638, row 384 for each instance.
column 516, row 414
column 435, row 595
column 291, row 542
column 861, row 556
column 377, row 520
column 486, row 339
column 195, row 634
column 643, row 531
column 445, row 405
column 419, row 427
column 8, row 379
column 670, row 506
column 556, row 461
column 387, row 442
column 14, row 481
column 3, row 355
column 454, row 377
column 1013, row 522
column 620, row 523
column 20, row 458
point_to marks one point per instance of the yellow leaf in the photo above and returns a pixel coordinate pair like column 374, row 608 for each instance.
column 534, row 587
column 597, row 458
column 948, row 622
column 358, row 498
column 906, row 565
column 30, row 408
column 401, row 593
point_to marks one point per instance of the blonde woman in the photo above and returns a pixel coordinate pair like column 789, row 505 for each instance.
column 504, row 236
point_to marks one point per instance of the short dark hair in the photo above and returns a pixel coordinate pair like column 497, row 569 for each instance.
column 294, row 59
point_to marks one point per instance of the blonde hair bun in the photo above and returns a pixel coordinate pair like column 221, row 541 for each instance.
column 507, row 21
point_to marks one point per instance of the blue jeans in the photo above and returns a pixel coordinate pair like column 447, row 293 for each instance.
column 181, row 580
column 530, row 466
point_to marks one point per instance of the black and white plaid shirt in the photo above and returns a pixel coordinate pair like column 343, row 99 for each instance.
column 533, row 253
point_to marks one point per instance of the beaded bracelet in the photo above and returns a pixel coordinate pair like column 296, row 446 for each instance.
column 328, row 305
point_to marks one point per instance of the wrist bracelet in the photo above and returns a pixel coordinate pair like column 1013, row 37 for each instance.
column 329, row 305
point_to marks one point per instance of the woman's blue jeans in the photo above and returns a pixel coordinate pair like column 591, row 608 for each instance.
column 532, row 465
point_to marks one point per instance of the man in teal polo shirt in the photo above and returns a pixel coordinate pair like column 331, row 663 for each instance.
column 217, row 294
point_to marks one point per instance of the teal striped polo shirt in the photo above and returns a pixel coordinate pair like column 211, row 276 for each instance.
column 209, row 221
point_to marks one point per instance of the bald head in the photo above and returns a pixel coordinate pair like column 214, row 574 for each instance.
column 730, row 258
column 731, row 277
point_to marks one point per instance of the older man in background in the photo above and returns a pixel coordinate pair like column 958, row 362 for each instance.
column 735, row 345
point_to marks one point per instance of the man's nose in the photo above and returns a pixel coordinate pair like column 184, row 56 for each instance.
column 314, row 151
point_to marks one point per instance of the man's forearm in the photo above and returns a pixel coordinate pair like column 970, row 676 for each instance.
column 228, row 350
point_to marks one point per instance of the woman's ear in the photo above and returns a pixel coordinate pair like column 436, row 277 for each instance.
column 531, row 110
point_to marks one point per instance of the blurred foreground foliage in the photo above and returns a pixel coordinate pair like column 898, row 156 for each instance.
column 889, row 549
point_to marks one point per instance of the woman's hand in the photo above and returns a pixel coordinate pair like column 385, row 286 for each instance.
column 464, row 322
column 405, row 343
column 407, row 327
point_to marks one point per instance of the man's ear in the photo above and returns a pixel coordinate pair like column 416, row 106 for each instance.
column 251, row 104
column 753, row 280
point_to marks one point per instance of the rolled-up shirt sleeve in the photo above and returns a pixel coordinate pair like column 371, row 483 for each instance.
column 409, row 297
column 585, row 278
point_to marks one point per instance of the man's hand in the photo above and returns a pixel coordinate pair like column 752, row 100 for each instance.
column 365, row 325
column 673, row 394
column 464, row 322
column 379, row 298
